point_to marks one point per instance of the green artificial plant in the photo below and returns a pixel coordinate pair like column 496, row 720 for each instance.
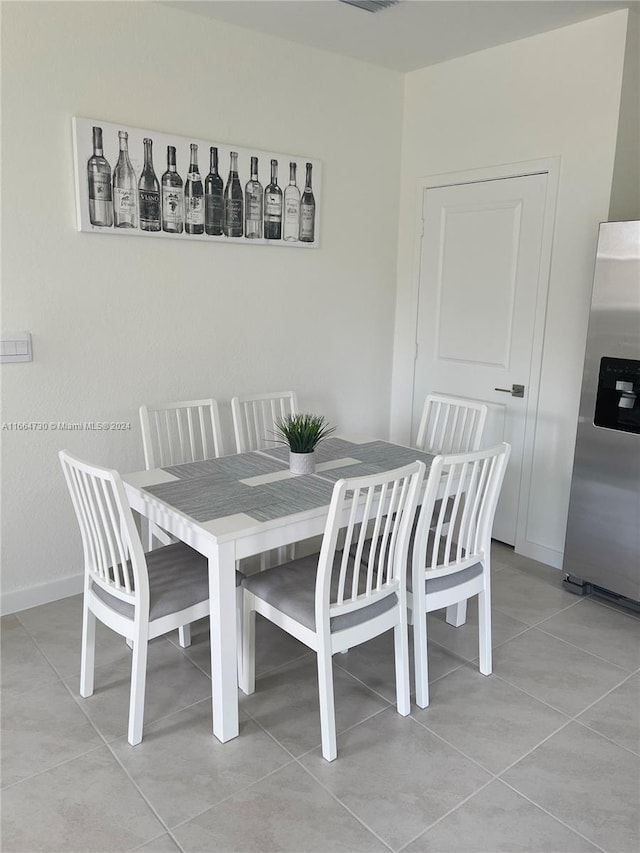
column 301, row 433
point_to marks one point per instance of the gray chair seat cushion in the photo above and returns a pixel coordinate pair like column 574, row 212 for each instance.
column 291, row 588
column 448, row 581
column 435, row 584
column 178, row 578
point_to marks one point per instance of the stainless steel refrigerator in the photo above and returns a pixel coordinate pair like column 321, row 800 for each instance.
column 602, row 549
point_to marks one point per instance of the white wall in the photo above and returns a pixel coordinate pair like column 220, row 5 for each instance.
column 117, row 323
column 555, row 94
column 625, row 191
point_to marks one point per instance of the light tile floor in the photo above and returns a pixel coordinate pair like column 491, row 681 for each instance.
column 544, row 755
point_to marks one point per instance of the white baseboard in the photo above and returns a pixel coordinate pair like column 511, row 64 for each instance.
column 541, row 553
column 22, row 599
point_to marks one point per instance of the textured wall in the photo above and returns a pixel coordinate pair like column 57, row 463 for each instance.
column 120, row 322
column 551, row 95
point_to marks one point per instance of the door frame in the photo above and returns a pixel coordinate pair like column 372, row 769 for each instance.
column 549, row 166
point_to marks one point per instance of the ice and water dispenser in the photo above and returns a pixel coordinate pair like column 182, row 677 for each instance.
column 618, row 396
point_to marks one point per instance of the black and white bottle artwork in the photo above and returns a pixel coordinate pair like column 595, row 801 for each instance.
column 148, row 184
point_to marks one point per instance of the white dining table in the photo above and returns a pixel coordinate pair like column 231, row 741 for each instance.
column 241, row 505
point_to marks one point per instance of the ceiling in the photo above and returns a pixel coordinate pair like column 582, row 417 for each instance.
column 409, row 35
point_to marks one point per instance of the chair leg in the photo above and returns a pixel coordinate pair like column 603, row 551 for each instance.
column 184, row 636
column 150, row 529
column 484, row 631
column 403, row 690
column 247, row 674
column 327, row 706
column 420, row 659
column 409, row 608
column 239, row 632
column 138, row 684
column 457, row 613
column 88, row 654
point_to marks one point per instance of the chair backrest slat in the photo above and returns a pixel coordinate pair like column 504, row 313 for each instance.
column 254, row 417
column 451, row 425
column 456, row 517
column 113, row 553
column 86, row 520
column 175, row 433
column 376, row 513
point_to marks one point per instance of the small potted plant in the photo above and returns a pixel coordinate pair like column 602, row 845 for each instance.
column 301, row 434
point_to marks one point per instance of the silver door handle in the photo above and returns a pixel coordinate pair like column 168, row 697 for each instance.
column 515, row 390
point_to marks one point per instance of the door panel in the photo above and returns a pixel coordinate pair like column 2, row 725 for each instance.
column 483, row 332
column 479, row 271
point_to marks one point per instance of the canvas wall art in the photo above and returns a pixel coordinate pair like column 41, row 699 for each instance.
column 144, row 183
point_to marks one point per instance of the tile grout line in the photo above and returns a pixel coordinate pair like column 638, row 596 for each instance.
column 151, row 840
column 450, row 745
column 548, row 704
column 593, row 731
column 297, row 760
column 632, row 614
column 282, row 666
column 319, row 744
column 145, row 799
column 263, row 672
column 550, row 814
column 446, row 814
column 187, row 820
column 343, row 805
column 53, row 767
column 539, row 621
column 574, row 718
column 364, row 684
column 581, row 648
column 107, row 744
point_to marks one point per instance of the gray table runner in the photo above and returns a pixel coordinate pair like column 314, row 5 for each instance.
column 212, row 488
column 238, row 467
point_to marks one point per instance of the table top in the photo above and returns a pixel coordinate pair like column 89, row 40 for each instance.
column 240, row 493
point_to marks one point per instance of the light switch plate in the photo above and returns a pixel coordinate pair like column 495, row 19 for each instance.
column 15, row 346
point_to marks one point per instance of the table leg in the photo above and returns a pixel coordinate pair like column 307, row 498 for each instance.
column 224, row 673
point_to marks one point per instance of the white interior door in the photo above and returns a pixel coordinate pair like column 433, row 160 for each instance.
column 479, row 271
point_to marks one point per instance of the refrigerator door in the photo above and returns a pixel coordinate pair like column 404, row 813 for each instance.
column 603, row 529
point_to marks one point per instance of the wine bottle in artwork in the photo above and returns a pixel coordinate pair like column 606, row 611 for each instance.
column 291, row 207
column 99, row 178
column 194, row 197
column 233, row 201
column 213, row 197
column 149, row 192
column 125, row 188
column 273, row 206
column 172, row 196
column 253, row 198
column 307, row 210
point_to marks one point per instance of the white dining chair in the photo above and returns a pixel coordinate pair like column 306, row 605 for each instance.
column 173, row 434
column 254, row 417
column 139, row 596
column 333, row 601
column 451, row 425
column 451, row 549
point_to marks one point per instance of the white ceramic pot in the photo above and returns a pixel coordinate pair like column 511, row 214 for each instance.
column 302, row 463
